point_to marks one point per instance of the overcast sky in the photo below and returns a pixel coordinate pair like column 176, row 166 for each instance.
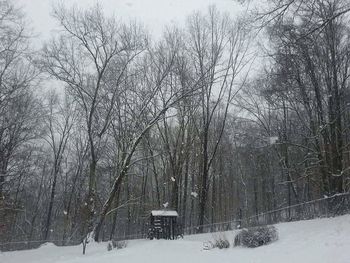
column 155, row 14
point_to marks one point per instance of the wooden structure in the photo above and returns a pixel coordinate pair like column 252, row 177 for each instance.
column 164, row 224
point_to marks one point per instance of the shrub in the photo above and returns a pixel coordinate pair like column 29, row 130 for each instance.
column 219, row 242
column 120, row 244
column 257, row 236
column 109, row 246
column 116, row 244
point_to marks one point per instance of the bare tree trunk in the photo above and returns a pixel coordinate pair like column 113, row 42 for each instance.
column 51, row 204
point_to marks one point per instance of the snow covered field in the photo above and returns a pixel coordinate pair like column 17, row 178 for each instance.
column 314, row 241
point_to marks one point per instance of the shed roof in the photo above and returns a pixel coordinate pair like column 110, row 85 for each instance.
column 164, row 213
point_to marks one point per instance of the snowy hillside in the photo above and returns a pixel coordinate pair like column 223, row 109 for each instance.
column 318, row 241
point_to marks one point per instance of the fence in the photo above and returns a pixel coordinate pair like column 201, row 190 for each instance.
column 325, row 207
column 335, row 205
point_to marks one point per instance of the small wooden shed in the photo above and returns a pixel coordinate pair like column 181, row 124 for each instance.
column 163, row 224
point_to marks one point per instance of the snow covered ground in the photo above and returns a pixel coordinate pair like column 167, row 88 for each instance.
column 315, row 241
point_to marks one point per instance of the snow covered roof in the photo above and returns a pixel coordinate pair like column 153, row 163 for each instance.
column 164, row 213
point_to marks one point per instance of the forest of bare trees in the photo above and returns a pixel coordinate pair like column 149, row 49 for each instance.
column 208, row 120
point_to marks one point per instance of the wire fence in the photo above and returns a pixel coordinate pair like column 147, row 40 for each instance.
column 324, row 207
column 335, row 205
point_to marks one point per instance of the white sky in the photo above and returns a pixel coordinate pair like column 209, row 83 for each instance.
column 155, row 14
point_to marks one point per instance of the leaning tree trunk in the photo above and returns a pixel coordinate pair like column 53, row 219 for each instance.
column 119, row 179
column 52, row 200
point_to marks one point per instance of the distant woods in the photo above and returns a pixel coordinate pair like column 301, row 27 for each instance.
column 182, row 122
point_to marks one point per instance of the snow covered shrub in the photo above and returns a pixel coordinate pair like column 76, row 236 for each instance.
column 116, row 244
column 109, row 246
column 120, row 244
column 256, row 236
column 219, row 242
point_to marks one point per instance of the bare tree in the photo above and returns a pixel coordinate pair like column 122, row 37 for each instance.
column 89, row 50
column 59, row 124
column 17, row 76
column 219, row 44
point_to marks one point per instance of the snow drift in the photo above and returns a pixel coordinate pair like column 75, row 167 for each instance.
column 315, row 241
